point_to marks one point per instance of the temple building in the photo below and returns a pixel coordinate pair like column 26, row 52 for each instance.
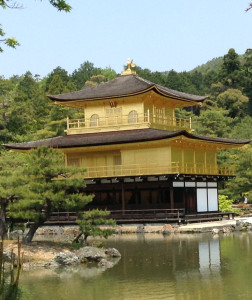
column 137, row 154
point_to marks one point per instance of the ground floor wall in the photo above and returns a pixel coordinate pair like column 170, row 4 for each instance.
column 192, row 196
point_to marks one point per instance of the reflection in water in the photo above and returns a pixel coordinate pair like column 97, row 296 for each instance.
column 209, row 257
column 179, row 266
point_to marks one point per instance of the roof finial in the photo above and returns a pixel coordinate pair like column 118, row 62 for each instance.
column 130, row 65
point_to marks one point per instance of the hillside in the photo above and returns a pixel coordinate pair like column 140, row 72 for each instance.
column 212, row 65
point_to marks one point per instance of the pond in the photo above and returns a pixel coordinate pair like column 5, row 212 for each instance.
column 152, row 267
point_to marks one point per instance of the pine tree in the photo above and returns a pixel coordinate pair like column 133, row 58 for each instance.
column 84, row 73
column 92, row 222
column 50, row 186
column 11, row 165
column 242, row 183
column 230, row 73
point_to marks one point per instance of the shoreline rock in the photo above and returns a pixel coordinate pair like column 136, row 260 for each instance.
column 104, row 258
column 68, row 233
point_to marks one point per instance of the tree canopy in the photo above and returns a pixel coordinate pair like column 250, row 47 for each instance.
column 11, row 166
column 49, row 186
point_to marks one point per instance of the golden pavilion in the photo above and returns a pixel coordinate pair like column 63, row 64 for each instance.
column 138, row 156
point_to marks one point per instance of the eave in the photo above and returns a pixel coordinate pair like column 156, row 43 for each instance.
column 126, row 137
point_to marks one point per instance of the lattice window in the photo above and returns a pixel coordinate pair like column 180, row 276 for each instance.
column 133, row 116
column 94, row 120
column 113, row 111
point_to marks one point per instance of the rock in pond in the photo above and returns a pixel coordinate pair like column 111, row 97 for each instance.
column 215, row 231
column 112, row 252
column 8, row 256
column 105, row 263
column 167, row 229
column 228, row 229
column 66, row 258
column 90, row 253
column 140, row 228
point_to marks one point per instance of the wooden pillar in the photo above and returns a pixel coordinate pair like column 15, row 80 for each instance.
column 172, row 197
column 123, row 198
column 184, row 197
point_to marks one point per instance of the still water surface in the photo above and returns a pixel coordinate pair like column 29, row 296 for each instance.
column 152, row 267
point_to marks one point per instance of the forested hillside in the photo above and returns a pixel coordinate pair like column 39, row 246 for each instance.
column 27, row 114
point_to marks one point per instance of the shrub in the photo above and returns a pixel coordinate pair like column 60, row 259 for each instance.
column 225, row 204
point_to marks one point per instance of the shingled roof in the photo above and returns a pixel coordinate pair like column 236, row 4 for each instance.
column 117, row 137
column 123, row 86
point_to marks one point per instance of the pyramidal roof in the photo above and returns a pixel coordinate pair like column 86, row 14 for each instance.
column 123, row 86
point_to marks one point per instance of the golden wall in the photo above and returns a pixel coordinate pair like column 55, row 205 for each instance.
column 145, row 159
column 109, row 108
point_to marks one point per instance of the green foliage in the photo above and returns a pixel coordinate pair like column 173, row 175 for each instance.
column 213, row 65
column 225, row 204
column 230, row 70
column 234, row 102
column 11, row 165
column 10, row 42
column 84, row 73
column 108, row 73
column 173, row 80
column 242, row 130
column 60, row 78
column 49, row 186
column 214, row 122
column 231, row 62
column 95, row 79
column 242, row 183
column 9, row 277
column 92, row 223
column 61, row 5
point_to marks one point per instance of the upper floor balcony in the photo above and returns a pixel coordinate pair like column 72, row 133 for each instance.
column 133, row 120
column 152, row 169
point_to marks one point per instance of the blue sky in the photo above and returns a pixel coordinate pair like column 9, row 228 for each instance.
column 159, row 35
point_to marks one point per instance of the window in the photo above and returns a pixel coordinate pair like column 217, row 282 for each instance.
column 133, row 117
column 113, row 111
column 94, row 120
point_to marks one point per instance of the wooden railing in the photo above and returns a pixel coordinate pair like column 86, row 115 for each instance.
column 171, row 215
column 162, row 122
column 157, row 169
column 125, row 216
column 147, row 215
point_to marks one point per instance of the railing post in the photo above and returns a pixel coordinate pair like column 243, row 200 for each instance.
column 148, row 115
column 190, row 122
column 67, row 122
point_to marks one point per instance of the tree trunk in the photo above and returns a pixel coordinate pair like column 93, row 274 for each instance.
column 85, row 238
column 29, row 236
column 76, row 240
column 2, row 219
column 2, row 229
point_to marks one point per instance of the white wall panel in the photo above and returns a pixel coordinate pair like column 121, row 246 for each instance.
column 212, row 200
column 212, row 184
column 201, row 200
column 178, row 184
column 190, row 184
column 201, row 184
